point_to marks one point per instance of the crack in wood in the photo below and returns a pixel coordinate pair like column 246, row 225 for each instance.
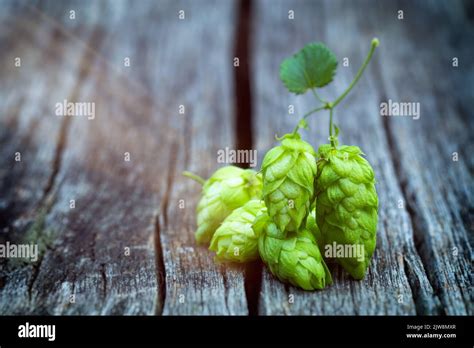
column 169, row 181
column 34, row 274
column 226, row 289
column 253, row 279
column 104, row 281
column 162, row 215
column 243, row 128
column 58, row 154
column 242, row 87
column 160, row 267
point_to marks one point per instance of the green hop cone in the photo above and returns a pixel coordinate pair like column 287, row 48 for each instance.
column 228, row 188
column 312, row 226
column 235, row 240
column 292, row 257
column 347, row 204
column 288, row 182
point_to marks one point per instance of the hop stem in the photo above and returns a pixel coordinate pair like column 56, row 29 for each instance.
column 194, row 177
column 331, row 127
column 314, row 110
column 374, row 44
column 331, row 105
column 317, row 96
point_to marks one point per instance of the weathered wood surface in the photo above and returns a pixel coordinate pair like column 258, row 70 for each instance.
column 202, row 82
column 28, row 96
column 438, row 190
column 127, row 246
column 107, row 250
column 422, row 263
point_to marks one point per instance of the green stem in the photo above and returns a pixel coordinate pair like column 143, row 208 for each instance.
column 317, row 96
column 331, row 127
column 374, row 44
column 294, row 130
column 331, row 105
column 306, row 116
column 194, row 177
column 314, row 110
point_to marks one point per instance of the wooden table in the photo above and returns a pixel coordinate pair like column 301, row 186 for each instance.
column 116, row 236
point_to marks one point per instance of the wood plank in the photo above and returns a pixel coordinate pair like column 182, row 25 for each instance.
column 396, row 282
column 439, row 190
column 202, row 81
column 28, row 126
column 134, row 204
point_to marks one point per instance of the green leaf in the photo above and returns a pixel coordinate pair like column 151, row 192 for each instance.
column 313, row 66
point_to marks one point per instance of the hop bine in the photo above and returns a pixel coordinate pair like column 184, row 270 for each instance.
column 288, row 182
column 346, row 200
column 235, row 240
column 228, row 188
column 292, row 257
column 289, row 231
column 347, row 203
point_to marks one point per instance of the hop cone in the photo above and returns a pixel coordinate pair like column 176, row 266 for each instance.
column 228, row 188
column 347, row 203
column 288, row 182
column 235, row 240
column 313, row 227
column 293, row 257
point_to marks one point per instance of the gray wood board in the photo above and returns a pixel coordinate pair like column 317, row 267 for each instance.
column 202, row 82
column 128, row 247
column 30, row 128
column 105, row 255
column 438, row 187
column 399, row 281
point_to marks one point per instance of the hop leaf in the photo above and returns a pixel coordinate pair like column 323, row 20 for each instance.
column 235, row 240
column 228, row 188
column 347, row 203
column 293, row 257
column 313, row 66
column 288, row 182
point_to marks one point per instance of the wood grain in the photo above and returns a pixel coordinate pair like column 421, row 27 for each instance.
column 438, row 189
column 29, row 127
column 127, row 246
column 202, row 81
column 107, row 251
column 399, row 280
